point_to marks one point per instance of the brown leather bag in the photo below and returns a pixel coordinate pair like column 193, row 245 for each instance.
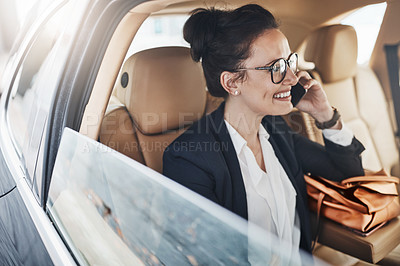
column 360, row 202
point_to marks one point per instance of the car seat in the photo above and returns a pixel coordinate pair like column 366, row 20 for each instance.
column 356, row 92
column 160, row 92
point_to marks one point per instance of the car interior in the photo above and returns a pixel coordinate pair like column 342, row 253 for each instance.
column 175, row 99
column 141, row 102
column 354, row 90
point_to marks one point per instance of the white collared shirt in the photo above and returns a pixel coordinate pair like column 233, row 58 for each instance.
column 271, row 197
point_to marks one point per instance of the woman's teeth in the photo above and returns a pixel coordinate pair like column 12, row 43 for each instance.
column 282, row 95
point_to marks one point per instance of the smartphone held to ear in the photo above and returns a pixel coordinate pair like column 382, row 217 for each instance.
column 297, row 93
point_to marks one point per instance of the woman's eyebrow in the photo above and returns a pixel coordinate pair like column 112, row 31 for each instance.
column 273, row 61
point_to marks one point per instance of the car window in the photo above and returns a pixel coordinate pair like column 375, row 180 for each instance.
column 113, row 210
column 35, row 84
column 367, row 22
column 8, row 30
column 26, row 7
column 159, row 31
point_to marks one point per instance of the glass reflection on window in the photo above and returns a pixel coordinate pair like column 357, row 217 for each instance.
column 111, row 209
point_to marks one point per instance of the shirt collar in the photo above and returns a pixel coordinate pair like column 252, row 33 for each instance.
column 238, row 141
column 262, row 132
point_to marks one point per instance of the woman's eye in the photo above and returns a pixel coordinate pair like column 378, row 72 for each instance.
column 276, row 68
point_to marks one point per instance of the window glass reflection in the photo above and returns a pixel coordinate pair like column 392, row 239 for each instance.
column 111, row 208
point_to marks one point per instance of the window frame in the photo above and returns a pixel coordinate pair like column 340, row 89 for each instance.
column 18, row 56
column 21, row 52
column 80, row 75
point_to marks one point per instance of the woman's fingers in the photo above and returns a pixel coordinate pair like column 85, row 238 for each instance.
column 303, row 75
column 306, row 80
column 315, row 101
column 309, row 83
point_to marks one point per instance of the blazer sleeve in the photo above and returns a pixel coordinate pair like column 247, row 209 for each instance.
column 331, row 161
column 182, row 168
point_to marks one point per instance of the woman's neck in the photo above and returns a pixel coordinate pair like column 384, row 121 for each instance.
column 244, row 120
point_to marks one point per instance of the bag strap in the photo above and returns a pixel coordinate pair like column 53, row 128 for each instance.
column 333, row 193
column 374, row 178
column 321, row 197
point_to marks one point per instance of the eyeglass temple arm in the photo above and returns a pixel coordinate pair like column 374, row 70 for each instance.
column 256, row 68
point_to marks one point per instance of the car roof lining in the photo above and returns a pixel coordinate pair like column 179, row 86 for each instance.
column 322, row 10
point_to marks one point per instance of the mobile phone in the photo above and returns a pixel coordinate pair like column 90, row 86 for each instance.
column 297, row 93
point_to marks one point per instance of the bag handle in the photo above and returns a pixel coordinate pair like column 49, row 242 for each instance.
column 335, row 195
column 321, row 197
column 374, row 178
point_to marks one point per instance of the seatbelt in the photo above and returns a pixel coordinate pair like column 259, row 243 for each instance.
column 392, row 60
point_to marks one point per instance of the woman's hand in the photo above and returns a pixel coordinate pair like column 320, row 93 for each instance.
column 315, row 102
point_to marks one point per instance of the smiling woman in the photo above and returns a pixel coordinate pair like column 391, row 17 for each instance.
column 79, row 75
column 260, row 173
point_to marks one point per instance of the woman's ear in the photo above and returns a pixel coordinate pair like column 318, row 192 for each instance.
column 228, row 82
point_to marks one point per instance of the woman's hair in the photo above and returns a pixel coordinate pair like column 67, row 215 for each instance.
column 222, row 39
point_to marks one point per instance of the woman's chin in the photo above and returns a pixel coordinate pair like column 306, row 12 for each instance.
column 283, row 107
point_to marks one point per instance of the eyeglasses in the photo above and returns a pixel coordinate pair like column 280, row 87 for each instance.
column 278, row 68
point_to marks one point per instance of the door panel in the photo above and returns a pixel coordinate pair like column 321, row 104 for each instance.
column 6, row 181
column 21, row 240
column 8, row 253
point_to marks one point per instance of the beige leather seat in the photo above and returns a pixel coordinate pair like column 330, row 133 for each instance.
column 160, row 92
column 356, row 92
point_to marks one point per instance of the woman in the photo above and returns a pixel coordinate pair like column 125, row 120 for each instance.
column 243, row 156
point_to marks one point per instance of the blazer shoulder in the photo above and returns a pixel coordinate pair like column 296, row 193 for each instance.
column 199, row 130
column 276, row 125
column 195, row 139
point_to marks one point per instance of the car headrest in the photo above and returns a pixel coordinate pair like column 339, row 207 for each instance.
column 163, row 89
column 333, row 49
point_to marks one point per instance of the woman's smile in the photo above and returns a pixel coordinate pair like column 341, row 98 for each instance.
column 282, row 96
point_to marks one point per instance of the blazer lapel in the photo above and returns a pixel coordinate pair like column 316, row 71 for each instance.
column 221, row 134
column 284, row 156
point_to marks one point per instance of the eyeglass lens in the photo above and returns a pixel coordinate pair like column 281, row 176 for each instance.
column 279, row 68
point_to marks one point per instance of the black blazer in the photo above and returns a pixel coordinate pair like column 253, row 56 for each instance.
column 204, row 160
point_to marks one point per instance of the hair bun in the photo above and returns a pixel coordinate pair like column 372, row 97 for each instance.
column 199, row 30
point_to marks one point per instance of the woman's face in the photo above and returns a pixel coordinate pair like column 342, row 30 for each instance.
column 258, row 91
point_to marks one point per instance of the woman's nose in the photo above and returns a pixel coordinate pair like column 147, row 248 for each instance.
column 290, row 78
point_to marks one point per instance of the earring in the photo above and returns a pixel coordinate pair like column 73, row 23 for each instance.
column 236, row 93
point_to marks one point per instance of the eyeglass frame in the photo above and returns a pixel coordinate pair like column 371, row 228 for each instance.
column 269, row 68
